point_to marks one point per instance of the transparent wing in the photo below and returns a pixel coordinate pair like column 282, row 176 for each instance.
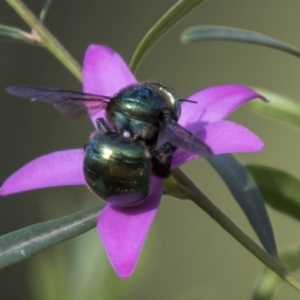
column 70, row 103
column 179, row 137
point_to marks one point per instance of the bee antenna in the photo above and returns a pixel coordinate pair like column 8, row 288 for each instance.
column 187, row 100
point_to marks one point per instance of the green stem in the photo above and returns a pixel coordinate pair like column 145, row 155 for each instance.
column 48, row 40
column 202, row 201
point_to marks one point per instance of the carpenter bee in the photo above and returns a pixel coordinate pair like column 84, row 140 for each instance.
column 148, row 111
column 141, row 115
column 116, row 167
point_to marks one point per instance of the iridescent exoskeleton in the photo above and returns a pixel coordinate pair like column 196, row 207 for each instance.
column 141, row 119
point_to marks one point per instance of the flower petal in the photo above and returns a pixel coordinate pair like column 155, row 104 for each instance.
column 222, row 137
column 124, row 230
column 214, row 104
column 105, row 73
column 54, row 169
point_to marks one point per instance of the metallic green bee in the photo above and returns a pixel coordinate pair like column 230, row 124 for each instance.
column 142, row 131
column 116, row 167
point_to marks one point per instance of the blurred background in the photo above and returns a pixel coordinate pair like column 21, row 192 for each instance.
column 186, row 255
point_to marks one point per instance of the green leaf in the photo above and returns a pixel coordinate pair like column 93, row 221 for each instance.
column 266, row 285
column 9, row 33
column 22, row 243
column 280, row 189
column 279, row 107
column 269, row 282
column 45, row 10
column 169, row 19
column 232, row 34
column 243, row 188
column 53, row 274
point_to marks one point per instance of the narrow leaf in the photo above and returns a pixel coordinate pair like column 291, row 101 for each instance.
column 22, row 243
column 9, row 33
column 232, row 34
column 279, row 107
column 266, row 285
column 169, row 19
column 269, row 282
column 45, row 10
column 244, row 190
column 280, row 189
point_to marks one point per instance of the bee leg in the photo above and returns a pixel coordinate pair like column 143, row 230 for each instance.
column 102, row 125
column 161, row 159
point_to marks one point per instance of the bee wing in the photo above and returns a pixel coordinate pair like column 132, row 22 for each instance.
column 179, row 137
column 70, row 103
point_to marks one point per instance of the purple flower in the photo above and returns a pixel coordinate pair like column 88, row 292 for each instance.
column 123, row 230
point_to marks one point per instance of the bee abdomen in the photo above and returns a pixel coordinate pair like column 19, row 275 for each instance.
column 117, row 169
